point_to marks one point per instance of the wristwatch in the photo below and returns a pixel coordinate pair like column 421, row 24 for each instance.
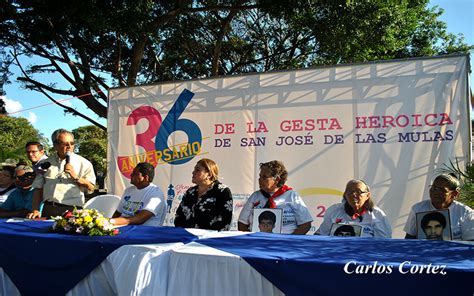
column 76, row 179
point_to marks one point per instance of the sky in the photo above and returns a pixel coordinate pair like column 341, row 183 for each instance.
column 47, row 117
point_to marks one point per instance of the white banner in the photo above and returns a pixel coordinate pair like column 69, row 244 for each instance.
column 391, row 124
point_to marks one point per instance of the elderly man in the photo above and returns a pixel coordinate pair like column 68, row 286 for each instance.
column 445, row 189
column 63, row 185
column 18, row 203
column 35, row 153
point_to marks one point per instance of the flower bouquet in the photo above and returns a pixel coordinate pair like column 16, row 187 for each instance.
column 85, row 222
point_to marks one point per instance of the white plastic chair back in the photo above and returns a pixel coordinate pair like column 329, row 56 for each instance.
column 106, row 204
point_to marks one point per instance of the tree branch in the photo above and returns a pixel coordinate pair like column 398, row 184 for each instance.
column 66, row 108
column 217, row 49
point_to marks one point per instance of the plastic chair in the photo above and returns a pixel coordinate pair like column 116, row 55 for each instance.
column 106, row 204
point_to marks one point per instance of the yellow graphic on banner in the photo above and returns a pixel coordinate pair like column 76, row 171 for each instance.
column 319, row 191
column 126, row 164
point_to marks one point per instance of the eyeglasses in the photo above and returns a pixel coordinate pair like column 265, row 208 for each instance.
column 32, row 151
column 65, row 144
column 25, row 177
column 440, row 189
column 356, row 192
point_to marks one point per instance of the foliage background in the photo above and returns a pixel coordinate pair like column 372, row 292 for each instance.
column 14, row 134
column 94, row 45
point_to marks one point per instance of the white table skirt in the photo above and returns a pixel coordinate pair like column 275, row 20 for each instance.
column 202, row 270
column 168, row 269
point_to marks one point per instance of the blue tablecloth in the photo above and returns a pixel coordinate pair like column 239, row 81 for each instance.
column 42, row 263
column 314, row 265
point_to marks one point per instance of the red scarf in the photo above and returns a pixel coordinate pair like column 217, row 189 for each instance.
column 357, row 215
column 280, row 191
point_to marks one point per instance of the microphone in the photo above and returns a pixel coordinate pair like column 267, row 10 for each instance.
column 68, row 157
column 45, row 165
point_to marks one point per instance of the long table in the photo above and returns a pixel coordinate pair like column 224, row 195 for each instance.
column 171, row 261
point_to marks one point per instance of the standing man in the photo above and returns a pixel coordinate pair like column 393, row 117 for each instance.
column 63, row 184
column 143, row 203
column 35, row 153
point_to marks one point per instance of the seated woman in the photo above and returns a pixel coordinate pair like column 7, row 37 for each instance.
column 357, row 208
column 208, row 205
column 274, row 193
column 443, row 192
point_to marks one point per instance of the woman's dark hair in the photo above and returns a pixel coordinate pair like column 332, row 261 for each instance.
column 277, row 169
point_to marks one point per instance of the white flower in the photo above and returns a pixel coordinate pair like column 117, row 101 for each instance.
column 83, row 221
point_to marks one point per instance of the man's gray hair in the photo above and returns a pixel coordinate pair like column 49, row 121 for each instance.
column 56, row 133
column 358, row 181
column 453, row 182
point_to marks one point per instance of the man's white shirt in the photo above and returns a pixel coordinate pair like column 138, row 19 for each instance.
column 150, row 198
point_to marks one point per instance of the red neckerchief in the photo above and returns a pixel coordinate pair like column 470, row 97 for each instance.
column 280, row 191
column 357, row 215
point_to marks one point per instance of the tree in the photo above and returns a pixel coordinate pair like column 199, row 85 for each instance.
column 14, row 134
column 94, row 45
column 91, row 143
column 465, row 176
column 3, row 110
